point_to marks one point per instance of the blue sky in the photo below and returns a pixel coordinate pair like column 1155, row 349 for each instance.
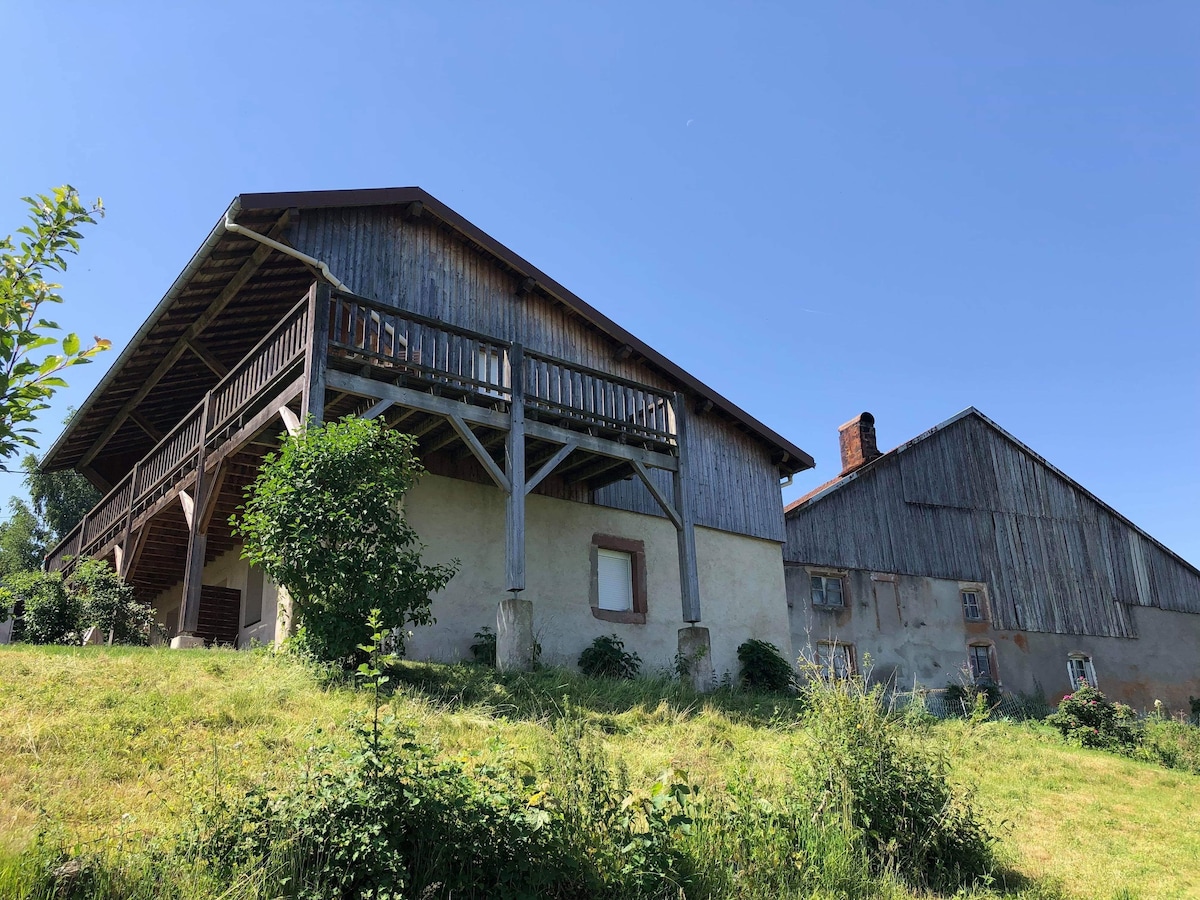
column 818, row 209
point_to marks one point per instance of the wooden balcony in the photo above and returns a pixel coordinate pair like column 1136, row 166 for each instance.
column 335, row 354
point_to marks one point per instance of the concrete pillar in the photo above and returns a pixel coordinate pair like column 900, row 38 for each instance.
column 285, row 618
column 695, row 656
column 514, row 635
column 187, row 642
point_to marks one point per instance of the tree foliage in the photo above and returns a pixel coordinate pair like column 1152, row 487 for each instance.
column 324, row 519
column 107, row 602
column 60, row 499
column 53, row 611
column 49, row 612
column 39, row 249
column 23, row 539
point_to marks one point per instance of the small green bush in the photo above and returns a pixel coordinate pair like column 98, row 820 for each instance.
column 763, row 667
column 967, row 697
column 107, row 602
column 51, row 614
column 866, row 777
column 1089, row 719
column 608, row 658
column 1175, row 745
column 484, row 649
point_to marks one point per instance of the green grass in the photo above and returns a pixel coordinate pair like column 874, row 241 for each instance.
column 100, row 743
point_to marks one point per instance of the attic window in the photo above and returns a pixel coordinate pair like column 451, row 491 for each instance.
column 972, row 606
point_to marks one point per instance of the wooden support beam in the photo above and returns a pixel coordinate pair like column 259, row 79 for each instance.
column 146, row 425
column 550, row 465
column 102, row 484
column 206, row 318
column 212, row 492
column 193, row 576
column 689, row 579
column 594, row 468
column 378, row 409
column 134, row 552
column 290, row 421
column 514, row 458
column 547, row 432
column 433, row 423
column 490, row 443
column 189, row 507
column 443, row 441
column 485, row 459
column 316, row 355
column 206, row 356
column 413, row 399
column 667, row 506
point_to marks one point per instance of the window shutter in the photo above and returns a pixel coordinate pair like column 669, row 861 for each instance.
column 615, row 576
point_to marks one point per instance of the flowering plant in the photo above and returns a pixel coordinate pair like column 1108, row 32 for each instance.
column 1088, row 718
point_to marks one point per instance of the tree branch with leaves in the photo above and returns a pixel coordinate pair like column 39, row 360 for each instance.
column 40, row 249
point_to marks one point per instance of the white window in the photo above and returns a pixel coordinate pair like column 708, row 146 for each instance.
column 828, row 590
column 1079, row 668
column 835, row 660
column 972, row 606
column 614, row 570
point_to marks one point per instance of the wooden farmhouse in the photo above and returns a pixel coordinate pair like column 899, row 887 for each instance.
column 587, row 483
column 964, row 551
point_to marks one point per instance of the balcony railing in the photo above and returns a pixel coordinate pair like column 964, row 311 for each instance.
column 400, row 346
column 173, row 460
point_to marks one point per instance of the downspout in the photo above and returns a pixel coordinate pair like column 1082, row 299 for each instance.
column 233, row 226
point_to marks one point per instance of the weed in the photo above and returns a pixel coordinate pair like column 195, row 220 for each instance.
column 763, row 667
column 608, row 658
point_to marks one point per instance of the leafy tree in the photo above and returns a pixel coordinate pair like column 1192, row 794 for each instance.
column 60, row 499
column 41, row 248
column 50, row 613
column 324, row 520
column 22, row 539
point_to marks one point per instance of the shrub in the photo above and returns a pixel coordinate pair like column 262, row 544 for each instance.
column 324, row 518
column 763, row 667
column 388, row 820
column 607, row 658
column 892, row 797
column 968, row 698
column 1175, row 745
column 107, row 602
column 51, row 614
column 1087, row 718
column 484, row 648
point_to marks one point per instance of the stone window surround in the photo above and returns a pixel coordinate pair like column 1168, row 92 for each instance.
column 993, row 663
column 637, row 552
column 980, row 590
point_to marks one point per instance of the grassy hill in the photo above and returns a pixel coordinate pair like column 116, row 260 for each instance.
column 102, row 747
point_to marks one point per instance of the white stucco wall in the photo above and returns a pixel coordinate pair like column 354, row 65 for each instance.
column 741, row 578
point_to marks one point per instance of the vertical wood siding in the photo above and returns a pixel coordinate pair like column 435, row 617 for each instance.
column 427, row 269
column 967, row 503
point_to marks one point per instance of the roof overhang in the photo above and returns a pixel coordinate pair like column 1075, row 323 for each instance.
column 222, row 254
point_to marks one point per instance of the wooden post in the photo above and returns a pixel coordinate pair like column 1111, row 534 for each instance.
column 514, row 453
column 193, row 576
column 125, row 557
column 316, row 354
column 689, row 580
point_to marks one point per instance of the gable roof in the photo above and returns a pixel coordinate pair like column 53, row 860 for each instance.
column 816, row 495
column 223, row 254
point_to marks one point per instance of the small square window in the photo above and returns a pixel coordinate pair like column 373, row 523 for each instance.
column 972, row 606
column 982, row 669
column 828, row 590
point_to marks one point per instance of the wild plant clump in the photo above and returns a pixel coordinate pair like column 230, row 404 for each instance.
column 763, row 667
column 892, row 797
column 483, row 650
column 1087, row 718
column 54, row 611
column 608, row 658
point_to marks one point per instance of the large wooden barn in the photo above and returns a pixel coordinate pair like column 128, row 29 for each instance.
column 569, row 463
column 965, row 549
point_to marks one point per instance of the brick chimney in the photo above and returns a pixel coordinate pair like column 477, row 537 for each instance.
column 857, row 439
